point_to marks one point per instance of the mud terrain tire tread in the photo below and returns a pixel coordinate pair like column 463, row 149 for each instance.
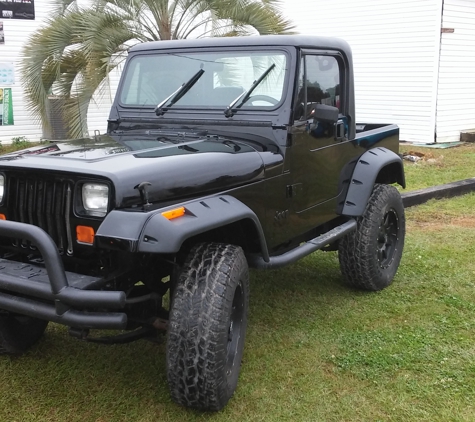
column 358, row 250
column 199, row 326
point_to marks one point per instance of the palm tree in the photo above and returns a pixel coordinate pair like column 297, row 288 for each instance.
column 73, row 54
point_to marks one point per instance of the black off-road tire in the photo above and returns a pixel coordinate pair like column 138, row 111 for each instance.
column 370, row 256
column 18, row 333
column 207, row 326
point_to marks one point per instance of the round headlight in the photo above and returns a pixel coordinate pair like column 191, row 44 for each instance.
column 95, row 198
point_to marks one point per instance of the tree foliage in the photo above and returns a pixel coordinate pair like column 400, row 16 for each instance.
column 72, row 55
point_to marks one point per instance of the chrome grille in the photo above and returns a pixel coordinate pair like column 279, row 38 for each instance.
column 45, row 203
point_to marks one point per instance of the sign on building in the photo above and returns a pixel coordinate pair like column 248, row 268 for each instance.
column 17, row 9
column 6, row 107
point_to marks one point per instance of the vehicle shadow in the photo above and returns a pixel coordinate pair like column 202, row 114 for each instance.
column 86, row 381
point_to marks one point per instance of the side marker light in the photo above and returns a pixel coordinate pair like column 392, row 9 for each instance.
column 177, row 212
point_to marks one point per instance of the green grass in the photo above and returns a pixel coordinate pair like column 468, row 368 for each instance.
column 439, row 166
column 315, row 350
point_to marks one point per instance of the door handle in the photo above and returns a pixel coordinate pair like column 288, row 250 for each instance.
column 340, row 131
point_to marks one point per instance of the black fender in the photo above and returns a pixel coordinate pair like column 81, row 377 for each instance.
column 377, row 165
column 151, row 232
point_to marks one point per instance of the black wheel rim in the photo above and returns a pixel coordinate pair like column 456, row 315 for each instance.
column 388, row 237
column 234, row 331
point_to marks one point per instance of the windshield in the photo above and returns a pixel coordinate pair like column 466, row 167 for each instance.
column 150, row 79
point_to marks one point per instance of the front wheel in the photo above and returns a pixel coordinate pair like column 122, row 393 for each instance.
column 19, row 332
column 370, row 256
column 207, row 326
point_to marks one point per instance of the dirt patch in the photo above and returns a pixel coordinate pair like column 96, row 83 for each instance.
column 436, row 224
column 468, row 222
column 423, row 157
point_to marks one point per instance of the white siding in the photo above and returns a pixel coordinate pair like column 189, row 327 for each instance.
column 395, row 52
column 16, row 32
column 456, row 93
column 99, row 107
column 396, row 56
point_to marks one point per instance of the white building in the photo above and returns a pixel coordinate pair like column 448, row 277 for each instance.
column 15, row 34
column 413, row 60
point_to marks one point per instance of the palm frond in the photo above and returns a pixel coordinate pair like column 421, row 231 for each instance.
column 74, row 53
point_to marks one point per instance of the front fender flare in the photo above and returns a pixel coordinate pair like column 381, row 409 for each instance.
column 365, row 175
column 153, row 233
column 161, row 235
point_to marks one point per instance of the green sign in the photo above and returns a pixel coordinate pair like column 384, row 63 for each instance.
column 6, row 106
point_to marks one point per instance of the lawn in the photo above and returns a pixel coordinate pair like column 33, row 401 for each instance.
column 439, row 166
column 315, row 350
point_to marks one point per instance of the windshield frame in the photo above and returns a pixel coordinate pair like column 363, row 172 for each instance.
column 212, row 109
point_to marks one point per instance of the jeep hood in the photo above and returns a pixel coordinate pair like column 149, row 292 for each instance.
column 176, row 167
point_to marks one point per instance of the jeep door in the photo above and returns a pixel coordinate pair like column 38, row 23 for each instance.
column 320, row 148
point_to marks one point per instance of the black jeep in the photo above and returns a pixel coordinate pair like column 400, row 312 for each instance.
column 221, row 154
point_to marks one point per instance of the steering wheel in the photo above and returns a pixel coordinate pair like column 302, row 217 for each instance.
column 265, row 98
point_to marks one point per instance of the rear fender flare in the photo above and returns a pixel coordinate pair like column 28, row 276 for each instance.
column 377, row 165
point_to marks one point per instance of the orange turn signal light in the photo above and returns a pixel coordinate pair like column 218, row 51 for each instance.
column 177, row 212
column 3, row 217
column 85, row 234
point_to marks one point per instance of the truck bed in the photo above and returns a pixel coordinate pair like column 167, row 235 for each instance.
column 387, row 135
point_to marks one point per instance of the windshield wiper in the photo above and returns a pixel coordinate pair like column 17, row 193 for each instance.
column 163, row 107
column 231, row 109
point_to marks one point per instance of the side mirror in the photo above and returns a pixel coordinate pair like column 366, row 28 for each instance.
column 323, row 113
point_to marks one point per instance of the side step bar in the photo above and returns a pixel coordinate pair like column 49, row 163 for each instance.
column 257, row 261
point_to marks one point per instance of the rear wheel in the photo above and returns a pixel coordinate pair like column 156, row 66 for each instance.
column 18, row 333
column 370, row 256
column 207, row 326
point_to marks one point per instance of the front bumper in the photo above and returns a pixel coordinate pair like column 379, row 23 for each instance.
column 50, row 292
